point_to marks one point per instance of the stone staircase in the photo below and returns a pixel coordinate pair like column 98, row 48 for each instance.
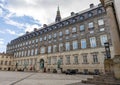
column 103, row 79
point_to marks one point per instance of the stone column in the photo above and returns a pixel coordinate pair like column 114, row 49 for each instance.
column 115, row 35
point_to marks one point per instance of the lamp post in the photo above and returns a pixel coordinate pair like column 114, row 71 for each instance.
column 107, row 50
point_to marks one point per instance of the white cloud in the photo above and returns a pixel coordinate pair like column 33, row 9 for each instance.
column 30, row 28
column 2, row 32
column 1, row 42
column 11, row 22
column 1, row 11
column 45, row 10
column 2, row 46
column 11, row 32
column 20, row 34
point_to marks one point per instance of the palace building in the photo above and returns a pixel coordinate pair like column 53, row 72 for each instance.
column 75, row 42
column 6, row 61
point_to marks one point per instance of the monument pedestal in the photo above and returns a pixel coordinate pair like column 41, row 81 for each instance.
column 108, row 66
column 112, row 70
column 59, row 71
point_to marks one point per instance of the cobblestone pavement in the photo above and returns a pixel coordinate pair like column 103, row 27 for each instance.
column 30, row 78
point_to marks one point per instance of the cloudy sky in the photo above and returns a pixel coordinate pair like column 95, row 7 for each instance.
column 19, row 16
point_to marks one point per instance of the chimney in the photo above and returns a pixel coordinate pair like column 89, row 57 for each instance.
column 35, row 29
column 44, row 25
column 27, row 32
column 91, row 5
column 72, row 13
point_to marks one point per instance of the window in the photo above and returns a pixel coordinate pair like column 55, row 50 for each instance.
column 67, row 23
column 36, row 40
column 100, row 22
column 36, row 51
column 93, row 42
column 60, row 34
column 54, row 60
column 102, row 29
column 82, row 27
column 22, row 53
column 29, row 42
column 25, row 53
column 76, row 59
column 67, row 31
column 67, row 59
column 40, row 39
column 49, row 49
column 95, row 59
column 55, row 35
column 66, row 37
column 85, row 59
column 32, row 52
column 75, row 45
column 99, row 11
column 90, row 25
column 90, row 14
column 67, row 46
column 103, row 39
column 61, row 60
column 49, row 36
column 42, row 50
column 45, row 38
column 28, row 53
column 54, row 48
column 74, row 35
column 5, row 62
column 1, row 62
column 33, row 41
column 81, row 17
column 74, row 29
column 26, row 44
column 60, row 47
column 83, row 43
column 49, row 60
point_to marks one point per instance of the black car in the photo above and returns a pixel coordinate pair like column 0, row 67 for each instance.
column 71, row 71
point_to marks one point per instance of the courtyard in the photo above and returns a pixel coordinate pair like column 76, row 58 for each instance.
column 32, row 78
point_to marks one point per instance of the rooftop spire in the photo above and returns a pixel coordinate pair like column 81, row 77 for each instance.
column 58, row 16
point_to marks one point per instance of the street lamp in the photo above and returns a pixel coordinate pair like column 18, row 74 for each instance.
column 107, row 50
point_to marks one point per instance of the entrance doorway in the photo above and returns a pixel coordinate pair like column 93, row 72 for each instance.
column 41, row 63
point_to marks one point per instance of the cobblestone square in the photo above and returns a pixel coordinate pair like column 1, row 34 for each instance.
column 32, row 78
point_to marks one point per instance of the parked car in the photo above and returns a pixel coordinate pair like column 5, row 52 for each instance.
column 71, row 71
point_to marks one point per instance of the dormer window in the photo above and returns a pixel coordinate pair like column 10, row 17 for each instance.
column 66, row 23
column 90, row 14
column 81, row 17
column 99, row 11
column 73, row 20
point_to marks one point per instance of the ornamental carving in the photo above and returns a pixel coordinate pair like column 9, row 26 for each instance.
column 108, row 3
column 116, row 59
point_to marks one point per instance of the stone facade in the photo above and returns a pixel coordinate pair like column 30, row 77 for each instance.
column 76, row 42
column 113, row 13
column 6, row 62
